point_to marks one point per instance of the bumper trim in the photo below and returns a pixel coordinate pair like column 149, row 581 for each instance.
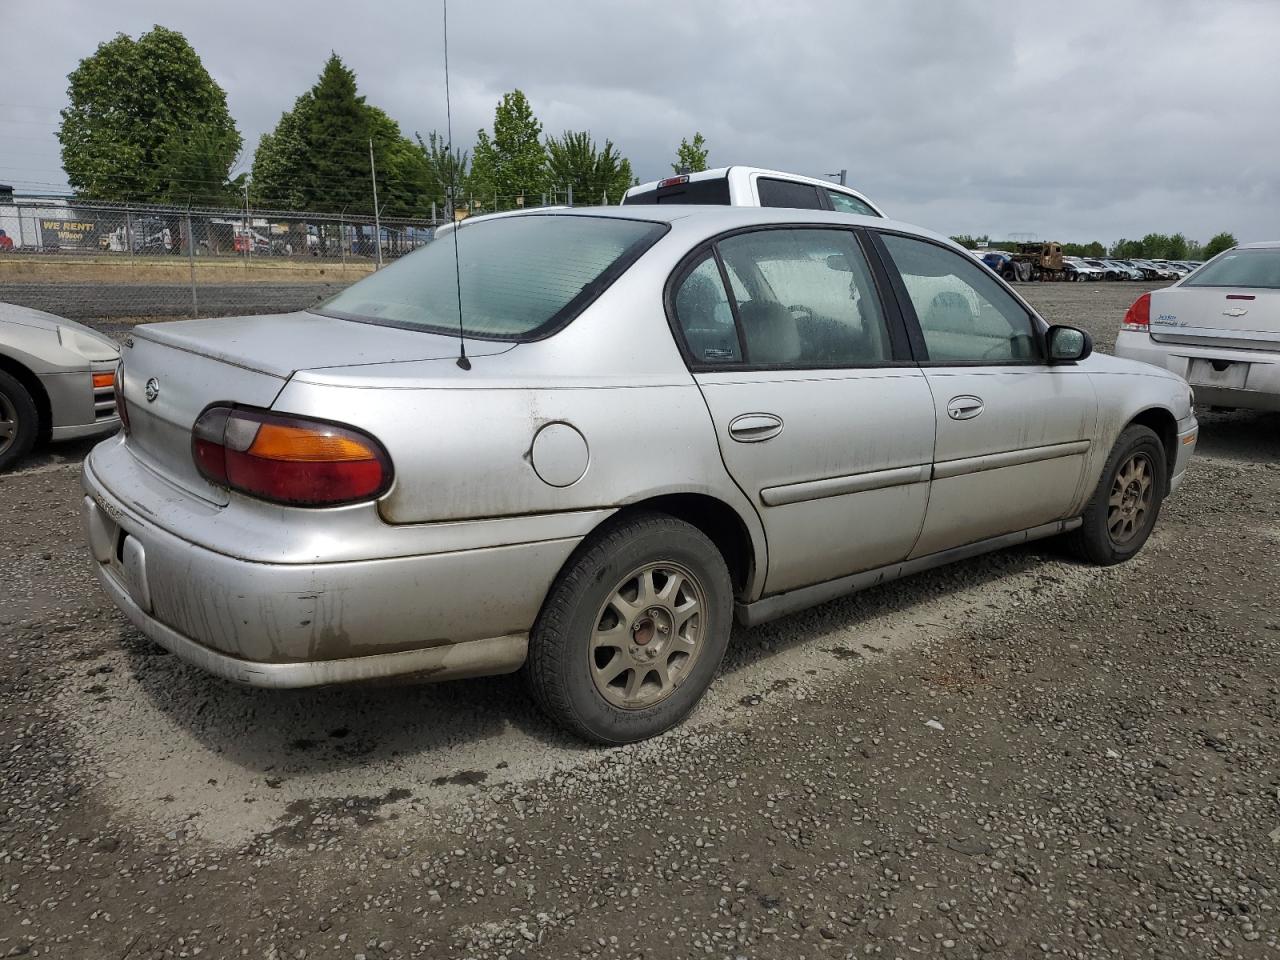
column 454, row 661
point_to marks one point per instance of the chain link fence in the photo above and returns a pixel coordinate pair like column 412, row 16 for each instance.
column 115, row 264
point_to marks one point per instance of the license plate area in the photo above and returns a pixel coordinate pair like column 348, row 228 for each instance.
column 121, row 553
column 1218, row 373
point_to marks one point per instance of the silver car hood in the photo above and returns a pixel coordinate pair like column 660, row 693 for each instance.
column 282, row 344
column 81, row 341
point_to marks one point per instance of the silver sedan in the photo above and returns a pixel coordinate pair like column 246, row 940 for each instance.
column 578, row 443
column 56, row 381
column 1219, row 327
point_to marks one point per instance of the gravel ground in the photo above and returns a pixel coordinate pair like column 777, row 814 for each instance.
column 1014, row 757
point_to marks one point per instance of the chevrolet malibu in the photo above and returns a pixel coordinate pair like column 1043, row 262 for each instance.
column 578, row 443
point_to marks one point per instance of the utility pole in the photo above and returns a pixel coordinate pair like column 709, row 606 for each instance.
column 377, row 218
column 843, row 176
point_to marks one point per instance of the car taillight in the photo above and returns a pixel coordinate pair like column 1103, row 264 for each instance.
column 288, row 459
column 121, row 409
column 1138, row 316
column 672, row 181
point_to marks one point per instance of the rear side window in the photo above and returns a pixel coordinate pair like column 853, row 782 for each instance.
column 966, row 316
column 802, row 299
column 845, row 203
column 712, row 191
column 785, row 193
column 1259, row 269
column 705, row 317
column 522, row 277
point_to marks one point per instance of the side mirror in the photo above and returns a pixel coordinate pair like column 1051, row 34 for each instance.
column 1068, row 344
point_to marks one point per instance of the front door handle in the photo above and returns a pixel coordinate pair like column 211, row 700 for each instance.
column 965, row 408
column 755, row 427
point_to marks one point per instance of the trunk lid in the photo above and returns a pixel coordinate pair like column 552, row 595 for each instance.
column 1232, row 317
column 173, row 371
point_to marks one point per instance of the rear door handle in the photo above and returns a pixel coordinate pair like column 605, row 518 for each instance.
column 965, row 408
column 755, row 427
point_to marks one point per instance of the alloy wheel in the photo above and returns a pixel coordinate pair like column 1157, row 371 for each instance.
column 647, row 635
column 1132, row 493
column 8, row 422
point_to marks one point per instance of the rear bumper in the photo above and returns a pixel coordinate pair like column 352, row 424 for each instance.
column 1260, row 389
column 437, row 616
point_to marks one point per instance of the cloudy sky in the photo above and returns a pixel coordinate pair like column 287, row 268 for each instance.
column 1103, row 120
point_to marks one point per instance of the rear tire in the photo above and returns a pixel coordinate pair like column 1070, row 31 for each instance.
column 633, row 631
column 1126, row 504
column 19, row 421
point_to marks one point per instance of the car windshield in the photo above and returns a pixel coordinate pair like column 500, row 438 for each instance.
column 1240, row 268
column 522, row 277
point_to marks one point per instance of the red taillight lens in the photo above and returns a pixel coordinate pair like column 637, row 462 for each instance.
column 1138, row 316
column 120, row 405
column 287, row 459
column 672, row 181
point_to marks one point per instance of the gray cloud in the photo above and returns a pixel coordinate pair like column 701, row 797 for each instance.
column 1088, row 120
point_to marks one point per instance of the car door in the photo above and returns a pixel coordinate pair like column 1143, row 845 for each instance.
column 1013, row 432
column 822, row 418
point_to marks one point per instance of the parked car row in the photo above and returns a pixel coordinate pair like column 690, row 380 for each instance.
column 1112, row 268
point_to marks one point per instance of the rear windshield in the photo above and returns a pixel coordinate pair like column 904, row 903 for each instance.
column 713, row 191
column 522, row 277
column 1240, row 268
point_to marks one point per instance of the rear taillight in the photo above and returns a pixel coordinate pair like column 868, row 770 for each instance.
column 672, row 181
column 1138, row 316
column 119, row 391
column 288, row 459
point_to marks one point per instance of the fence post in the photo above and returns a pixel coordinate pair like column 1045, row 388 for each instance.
column 128, row 239
column 22, row 237
column 191, row 259
column 248, row 227
column 571, row 194
column 342, row 239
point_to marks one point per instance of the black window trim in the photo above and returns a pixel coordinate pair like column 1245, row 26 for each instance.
column 907, row 308
column 893, row 318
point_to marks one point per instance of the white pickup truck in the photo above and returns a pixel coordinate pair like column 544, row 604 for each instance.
column 753, row 187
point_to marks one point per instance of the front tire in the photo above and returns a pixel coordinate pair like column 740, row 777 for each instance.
column 19, row 421
column 633, row 631
column 1124, row 507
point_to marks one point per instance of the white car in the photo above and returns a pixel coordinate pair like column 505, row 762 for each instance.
column 753, row 187
column 1218, row 327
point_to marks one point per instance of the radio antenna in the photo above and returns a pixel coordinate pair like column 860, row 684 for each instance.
column 463, row 362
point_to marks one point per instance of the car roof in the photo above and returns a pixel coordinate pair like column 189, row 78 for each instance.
column 1259, row 245
column 715, row 219
column 721, row 172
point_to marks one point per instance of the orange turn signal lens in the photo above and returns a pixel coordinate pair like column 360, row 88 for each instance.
column 103, row 380
column 278, row 441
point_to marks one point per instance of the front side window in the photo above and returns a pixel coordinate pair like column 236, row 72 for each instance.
column 521, row 277
column 846, row 203
column 804, row 298
column 1259, row 268
column 788, row 193
column 966, row 316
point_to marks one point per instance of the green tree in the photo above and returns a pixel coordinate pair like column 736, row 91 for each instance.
column 1156, row 245
column 512, row 162
column 145, row 119
column 1177, row 247
column 336, row 131
column 1218, row 243
column 597, row 175
column 448, row 168
column 1126, row 249
column 317, row 158
column 276, row 177
column 193, row 168
column 691, row 157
